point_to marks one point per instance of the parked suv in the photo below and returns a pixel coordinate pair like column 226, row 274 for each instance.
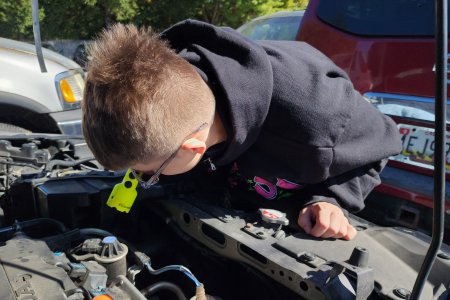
column 387, row 49
column 34, row 101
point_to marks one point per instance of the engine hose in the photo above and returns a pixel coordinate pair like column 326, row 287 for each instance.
column 30, row 223
column 65, row 163
column 74, row 291
column 179, row 268
column 86, row 293
column 144, row 259
column 163, row 285
column 95, row 231
column 18, row 164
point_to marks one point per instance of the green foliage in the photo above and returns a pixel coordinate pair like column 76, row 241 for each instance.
column 160, row 14
column 69, row 19
column 115, row 10
column 272, row 6
column 83, row 19
column 16, row 19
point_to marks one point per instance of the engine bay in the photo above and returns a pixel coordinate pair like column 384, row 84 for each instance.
column 58, row 240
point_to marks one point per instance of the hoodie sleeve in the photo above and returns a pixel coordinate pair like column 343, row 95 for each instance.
column 347, row 138
column 353, row 172
column 347, row 190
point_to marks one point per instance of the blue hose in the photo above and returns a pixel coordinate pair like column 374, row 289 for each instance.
column 179, row 268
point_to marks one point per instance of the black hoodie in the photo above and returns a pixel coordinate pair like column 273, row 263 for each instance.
column 290, row 113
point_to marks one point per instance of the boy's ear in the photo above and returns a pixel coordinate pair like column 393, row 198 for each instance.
column 195, row 145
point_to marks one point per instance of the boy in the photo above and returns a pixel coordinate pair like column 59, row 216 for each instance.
column 281, row 113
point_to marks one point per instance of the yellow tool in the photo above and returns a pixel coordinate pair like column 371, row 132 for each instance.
column 123, row 195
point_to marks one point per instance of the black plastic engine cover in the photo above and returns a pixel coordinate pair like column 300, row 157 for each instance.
column 78, row 201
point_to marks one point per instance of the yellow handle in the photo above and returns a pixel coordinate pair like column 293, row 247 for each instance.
column 123, row 195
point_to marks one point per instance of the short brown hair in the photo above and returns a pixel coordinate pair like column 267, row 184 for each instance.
column 141, row 99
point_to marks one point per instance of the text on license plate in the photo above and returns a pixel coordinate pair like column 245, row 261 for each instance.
column 418, row 144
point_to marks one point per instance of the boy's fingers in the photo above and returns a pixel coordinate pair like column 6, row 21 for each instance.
column 334, row 227
column 351, row 232
column 304, row 220
column 322, row 222
column 344, row 229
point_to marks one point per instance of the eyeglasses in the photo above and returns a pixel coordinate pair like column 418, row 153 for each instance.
column 154, row 178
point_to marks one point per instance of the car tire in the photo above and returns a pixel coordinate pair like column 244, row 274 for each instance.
column 5, row 127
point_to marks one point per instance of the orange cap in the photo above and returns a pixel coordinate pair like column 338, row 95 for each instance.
column 103, row 297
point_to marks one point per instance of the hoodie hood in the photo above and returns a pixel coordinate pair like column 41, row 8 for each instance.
column 238, row 72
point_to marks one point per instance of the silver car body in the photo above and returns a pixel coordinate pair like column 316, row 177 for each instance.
column 22, row 84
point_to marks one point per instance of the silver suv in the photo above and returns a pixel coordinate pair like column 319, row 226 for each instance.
column 34, row 101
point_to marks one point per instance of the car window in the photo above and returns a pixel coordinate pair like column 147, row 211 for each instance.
column 277, row 28
column 381, row 17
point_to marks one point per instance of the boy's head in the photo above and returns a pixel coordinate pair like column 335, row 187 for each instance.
column 143, row 103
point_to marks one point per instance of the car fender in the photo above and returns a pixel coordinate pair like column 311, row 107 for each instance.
column 10, row 99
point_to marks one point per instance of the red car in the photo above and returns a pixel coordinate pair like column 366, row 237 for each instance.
column 387, row 49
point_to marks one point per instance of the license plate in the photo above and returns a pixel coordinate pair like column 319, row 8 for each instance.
column 418, row 146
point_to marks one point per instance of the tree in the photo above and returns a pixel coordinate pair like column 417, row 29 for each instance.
column 16, row 20
column 162, row 13
column 83, row 19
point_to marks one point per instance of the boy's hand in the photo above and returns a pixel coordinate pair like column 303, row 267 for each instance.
column 323, row 219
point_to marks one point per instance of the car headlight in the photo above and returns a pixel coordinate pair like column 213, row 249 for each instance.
column 70, row 87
